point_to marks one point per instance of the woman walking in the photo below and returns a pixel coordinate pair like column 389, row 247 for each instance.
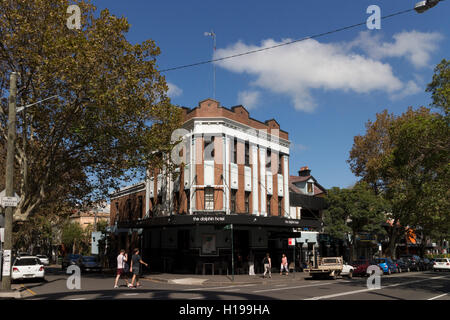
column 267, row 265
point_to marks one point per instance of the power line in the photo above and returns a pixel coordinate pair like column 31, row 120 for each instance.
column 283, row 44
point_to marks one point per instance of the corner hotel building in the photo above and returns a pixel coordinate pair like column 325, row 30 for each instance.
column 233, row 170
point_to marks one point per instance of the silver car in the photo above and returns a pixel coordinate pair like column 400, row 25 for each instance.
column 44, row 259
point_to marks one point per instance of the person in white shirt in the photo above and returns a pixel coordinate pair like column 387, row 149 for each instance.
column 122, row 267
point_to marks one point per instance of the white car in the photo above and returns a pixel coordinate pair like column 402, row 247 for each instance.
column 441, row 264
column 27, row 267
column 347, row 270
column 44, row 259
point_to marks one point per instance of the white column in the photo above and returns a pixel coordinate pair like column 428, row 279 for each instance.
column 226, row 173
column 254, row 150
column 192, row 182
column 286, row 185
column 262, row 171
column 147, row 192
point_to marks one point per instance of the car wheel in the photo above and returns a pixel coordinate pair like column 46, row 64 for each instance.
column 350, row 274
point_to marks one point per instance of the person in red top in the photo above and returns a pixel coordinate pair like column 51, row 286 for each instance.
column 284, row 265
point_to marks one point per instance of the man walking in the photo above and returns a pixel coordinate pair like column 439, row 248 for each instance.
column 267, row 265
column 135, row 268
column 122, row 267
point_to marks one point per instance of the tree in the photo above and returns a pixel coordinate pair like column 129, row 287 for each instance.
column 74, row 237
column 405, row 159
column 351, row 212
column 111, row 113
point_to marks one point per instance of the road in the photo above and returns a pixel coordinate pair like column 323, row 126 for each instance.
column 426, row 285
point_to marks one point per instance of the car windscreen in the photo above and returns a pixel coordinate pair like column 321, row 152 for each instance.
column 27, row 262
column 329, row 261
column 89, row 259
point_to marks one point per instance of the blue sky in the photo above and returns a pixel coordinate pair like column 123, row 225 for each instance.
column 321, row 91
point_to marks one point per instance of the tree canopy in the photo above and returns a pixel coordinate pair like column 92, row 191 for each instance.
column 111, row 112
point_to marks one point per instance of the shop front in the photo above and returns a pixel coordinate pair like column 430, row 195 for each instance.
column 203, row 244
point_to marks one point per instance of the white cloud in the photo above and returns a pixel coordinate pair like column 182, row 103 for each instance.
column 249, row 99
column 415, row 46
column 296, row 70
column 173, row 91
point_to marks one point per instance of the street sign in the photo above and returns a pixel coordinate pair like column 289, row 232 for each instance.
column 291, row 241
column 6, row 263
column 10, row 201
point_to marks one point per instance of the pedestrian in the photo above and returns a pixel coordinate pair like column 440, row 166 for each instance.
column 284, row 265
column 122, row 268
column 135, row 268
column 251, row 264
column 267, row 262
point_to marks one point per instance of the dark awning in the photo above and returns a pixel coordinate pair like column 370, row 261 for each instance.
column 284, row 235
column 220, row 219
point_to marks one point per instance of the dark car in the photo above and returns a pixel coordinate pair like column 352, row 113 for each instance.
column 415, row 262
column 403, row 265
column 71, row 259
column 90, row 263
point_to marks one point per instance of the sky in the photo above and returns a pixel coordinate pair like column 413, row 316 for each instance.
column 322, row 91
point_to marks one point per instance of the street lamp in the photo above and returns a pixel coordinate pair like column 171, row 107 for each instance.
column 213, row 35
column 424, row 5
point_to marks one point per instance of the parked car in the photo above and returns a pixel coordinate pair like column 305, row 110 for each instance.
column 403, row 265
column 387, row 265
column 27, row 267
column 90, row 263
column 428, row 264
column 71, row 259
column 347, row 270
column 44, row 259
column 415, row 262
column 360, row 267
column 441, row 264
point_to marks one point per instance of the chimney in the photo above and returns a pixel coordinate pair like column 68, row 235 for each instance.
column 304, row 172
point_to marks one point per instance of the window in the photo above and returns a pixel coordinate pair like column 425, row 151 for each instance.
column 310, row 187
column 130, row 214
column 234, row 154
column 209, row 148
column 188, row 200
column 209, row 199
column 280, row 165
column 233, row 201
column 247, row 202
column 268, row 158
column 280, row 206
column 141, row 206
column 247, row 153
column 268, row 205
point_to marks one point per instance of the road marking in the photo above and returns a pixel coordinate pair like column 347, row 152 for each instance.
column 366, row 290
column 231, row 290
column 281, row 285
column 288, row 288
column 131, row 294
column 77, row 299
column 29, row 290
column 214, row 288
column 437, row 297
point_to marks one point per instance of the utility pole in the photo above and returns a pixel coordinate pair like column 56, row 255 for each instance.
column 6, row 279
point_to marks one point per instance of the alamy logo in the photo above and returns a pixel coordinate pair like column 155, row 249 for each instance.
column 374, row 281
column 374, row 21
column 74, row 281
column 74, row 21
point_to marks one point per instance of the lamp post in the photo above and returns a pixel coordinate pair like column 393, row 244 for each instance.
column 213, row 35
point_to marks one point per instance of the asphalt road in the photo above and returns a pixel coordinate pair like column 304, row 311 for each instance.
column 426, row 285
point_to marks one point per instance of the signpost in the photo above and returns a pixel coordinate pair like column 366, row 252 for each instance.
column 291, row 242
column 230, row 227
